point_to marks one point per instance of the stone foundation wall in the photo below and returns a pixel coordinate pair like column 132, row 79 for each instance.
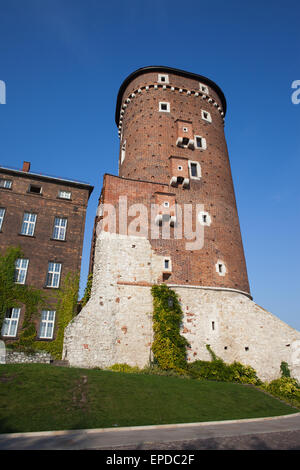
column 15, row 357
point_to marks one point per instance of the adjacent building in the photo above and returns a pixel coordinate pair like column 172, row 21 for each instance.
column 45, row 217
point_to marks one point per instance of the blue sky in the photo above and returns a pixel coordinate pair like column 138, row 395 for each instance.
column 63, row 62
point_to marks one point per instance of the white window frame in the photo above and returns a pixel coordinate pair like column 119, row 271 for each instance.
column 28, row 226
column 162, row 75
column 204, row 218
column 123, row 152
column 203, row 142
column 53, row 275
column 198, row 177
column 21, row 267
column 62, row 194
column 180, row 168
column 203, row 88
column 164, row 110
column 169, row 261
column 166, row 204
column 47, row 324
column 2, row 215
column 208, row 117
column 10, row 324
column 223, row 270
column 59, row 228
column 6, row 184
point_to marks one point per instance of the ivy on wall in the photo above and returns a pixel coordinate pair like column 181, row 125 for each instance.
column 169, row 347
column 15, row 295
column 64, row 301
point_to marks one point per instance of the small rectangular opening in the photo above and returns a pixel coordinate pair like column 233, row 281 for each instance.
column 193, row 169
column 167, row 264
column 185, row 141
column 163, row 107
column 198, row 142
column 212, row 325
column 35, row 189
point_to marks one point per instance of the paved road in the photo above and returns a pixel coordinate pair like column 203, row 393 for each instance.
column 264, row 433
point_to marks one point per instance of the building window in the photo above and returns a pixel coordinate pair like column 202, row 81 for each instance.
column 203, row 88
column 10, row 322
column 34, row 189
column 204, row 218
column 6, row 184
column 47, row 324
column 64, row 194
column 123, row 152
column 167, row 264
column 2, row 214
column 195, row 170
column 21, row 267
column 221, row 268
column 200, row 142
column 213, row 325
column 162, row 78
column 164, row 107
column 60, row 228
column 53, row 275
column 166, row 204
column 205, row 115
column 28, row 224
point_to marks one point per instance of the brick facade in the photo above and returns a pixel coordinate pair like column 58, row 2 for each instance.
column 41, row 247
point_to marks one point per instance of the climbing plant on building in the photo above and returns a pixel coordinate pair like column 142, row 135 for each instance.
column 14, row 295
column 169, row 346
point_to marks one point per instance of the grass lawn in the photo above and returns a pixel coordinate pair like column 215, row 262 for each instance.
column 38, row 397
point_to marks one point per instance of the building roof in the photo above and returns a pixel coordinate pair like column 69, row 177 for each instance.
column 162, row 68
column 43, row 177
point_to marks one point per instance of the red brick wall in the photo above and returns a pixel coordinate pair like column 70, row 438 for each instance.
column 41, row 248
column 150, row 142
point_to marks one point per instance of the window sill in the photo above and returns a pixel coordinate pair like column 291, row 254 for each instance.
column 63, row 198
column 24, row 235
column 50, row 287
column 57, row 240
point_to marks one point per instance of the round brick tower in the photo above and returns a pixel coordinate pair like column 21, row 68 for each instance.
column 171, row 128
column 173, row 158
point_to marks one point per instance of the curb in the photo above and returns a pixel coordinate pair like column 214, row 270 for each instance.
column 140, row 428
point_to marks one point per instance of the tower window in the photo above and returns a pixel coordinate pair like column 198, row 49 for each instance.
column 195, row 170
column 203, row 88
column 200, row 142
column 185, row 129
column 213, row 325
column 167, row 264
column 206, row 116
column 166, row 204
column 162, row 78
column 221, row 268
column 123, row 152
column 179, row 168
column 164, row 107
column 204, row 218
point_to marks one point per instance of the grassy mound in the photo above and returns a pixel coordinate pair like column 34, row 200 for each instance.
column 38, row 397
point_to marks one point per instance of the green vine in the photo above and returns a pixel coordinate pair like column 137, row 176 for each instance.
column 65, row 307
column 169, row 347
column 15, row 295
